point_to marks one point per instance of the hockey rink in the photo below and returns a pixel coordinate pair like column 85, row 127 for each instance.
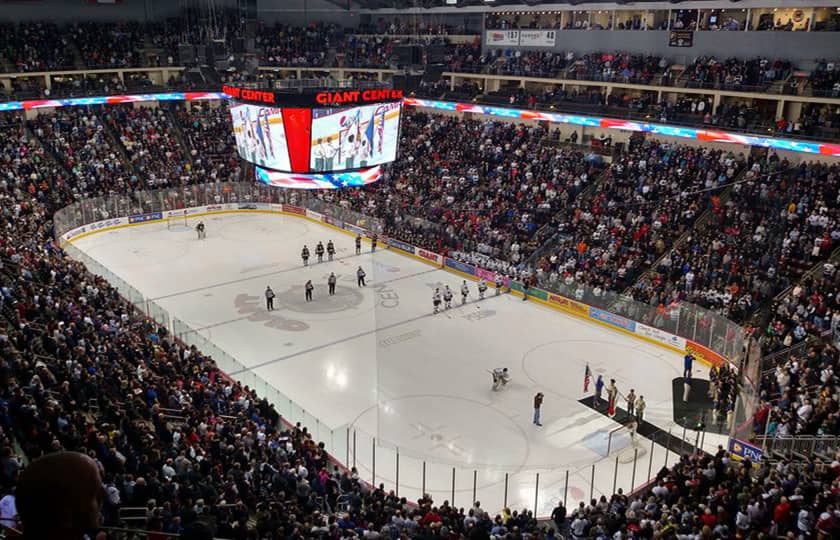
column 375, row 362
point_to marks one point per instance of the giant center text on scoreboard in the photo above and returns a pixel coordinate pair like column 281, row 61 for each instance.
column 325, row 128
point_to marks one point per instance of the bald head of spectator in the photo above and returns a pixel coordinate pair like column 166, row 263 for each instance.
column 59, row 496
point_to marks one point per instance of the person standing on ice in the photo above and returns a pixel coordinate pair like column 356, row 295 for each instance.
column 330, row 250
column 436, row 300
column 319, row 251
column 360, row 277
column 612, row 395
column 304, row 254
column 309, row 288
column 688, row 363
column 465, row 291
column 269, row 299
column 640, row 409
column 631, row 402
column 447, row 297
column 599, row 388
column 331, row 282
column 538, row 401
column 358, row 244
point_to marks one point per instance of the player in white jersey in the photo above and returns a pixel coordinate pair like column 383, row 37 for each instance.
column 447, row 298
column 482, row 288
column 500, row 378
column 465, row 290
column 498, row 284
column 436, row 300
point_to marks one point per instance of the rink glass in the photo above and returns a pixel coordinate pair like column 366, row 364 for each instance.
column 373, row 446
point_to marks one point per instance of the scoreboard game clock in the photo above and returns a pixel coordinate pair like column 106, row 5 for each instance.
column 329, row 132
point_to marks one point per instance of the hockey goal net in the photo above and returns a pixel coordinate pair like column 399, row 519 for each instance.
column 177, row 220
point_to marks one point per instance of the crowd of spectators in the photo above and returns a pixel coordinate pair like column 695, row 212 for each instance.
column 34, row 46
column 293, row 46
column 82, row 370
column 492, row 203
column 825, row 78
column 735, row 73
column 413, row 26
column 109, row 45
column 79, row 139
column 655, row 192
column 617, row 66
column 779, row 220
column 151, row 144
column 209, row 138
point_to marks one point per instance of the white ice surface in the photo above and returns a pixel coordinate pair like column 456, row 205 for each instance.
column 375, row 361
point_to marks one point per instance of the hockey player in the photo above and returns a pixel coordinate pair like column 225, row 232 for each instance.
column 330, row 250
column 498, row 284
column 373, row 242
column 319, row 251
column 436, row 300
column 447, row 298
column 465, row 290
column 304, row 254
column 309, row 288
column 360, row 277
column 269, row 299
column 358, row 244
column 199, row 229
column 500, row 378
column 482, row 288
column 331, row 282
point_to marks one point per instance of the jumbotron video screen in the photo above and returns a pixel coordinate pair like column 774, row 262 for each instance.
column 340, row 139
column 350, row 138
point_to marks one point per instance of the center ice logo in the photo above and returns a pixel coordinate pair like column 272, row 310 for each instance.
column 254, row 308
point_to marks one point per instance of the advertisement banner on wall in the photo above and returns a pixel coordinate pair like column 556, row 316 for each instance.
column 430, row 256
column 333, row 221
column 660, row 336
column 740, row 450
column 459, row 266
column 313, row 215
column 294, row 209
column 394, row 243
column 704, row 354
column 501, row 38
column 537, row 38
column 569, row 305
column 486, row 275
column 613, row 319
column 143, row 218
column 355, row 230
column 681, row 38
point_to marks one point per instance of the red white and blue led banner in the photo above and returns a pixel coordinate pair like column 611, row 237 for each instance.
column 657, row 129
column 790, row 145
column 107, row 100
column 336, row 180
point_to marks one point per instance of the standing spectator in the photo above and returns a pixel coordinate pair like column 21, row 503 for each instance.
column 59, row 496
column 538, row 401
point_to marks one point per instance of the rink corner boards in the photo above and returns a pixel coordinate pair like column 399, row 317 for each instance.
column 570, row 307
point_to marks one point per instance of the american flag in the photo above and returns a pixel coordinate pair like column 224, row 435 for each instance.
column 320, row 180
column 587, row 375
